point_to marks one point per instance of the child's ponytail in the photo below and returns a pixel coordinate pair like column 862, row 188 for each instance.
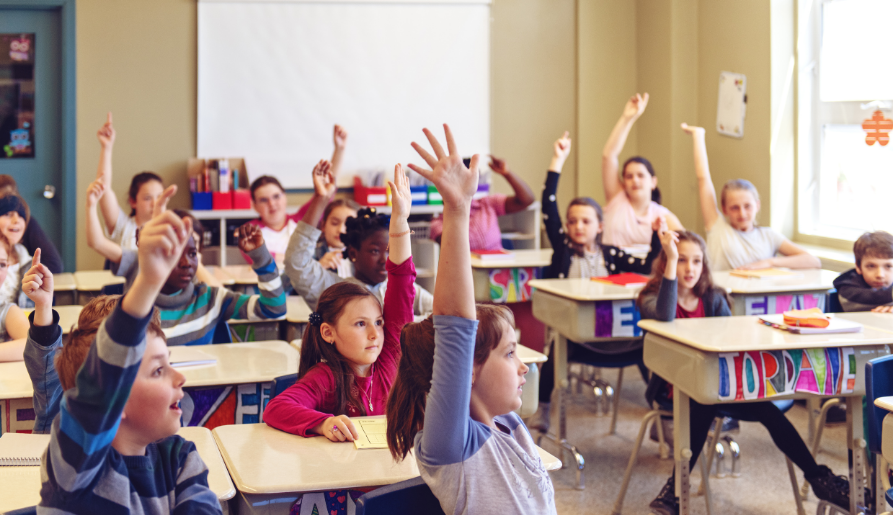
column 315, row 350
column 406, row 402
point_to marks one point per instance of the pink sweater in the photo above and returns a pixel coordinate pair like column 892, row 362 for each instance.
column 310, row 401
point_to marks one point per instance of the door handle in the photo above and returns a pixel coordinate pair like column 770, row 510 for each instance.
column 49, row 191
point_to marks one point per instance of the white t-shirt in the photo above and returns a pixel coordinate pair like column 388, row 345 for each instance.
column 277, row 241
column 125, row 231
column 729, row 248
column 590, row 264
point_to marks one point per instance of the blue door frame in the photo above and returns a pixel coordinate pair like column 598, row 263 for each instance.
column 68, row 189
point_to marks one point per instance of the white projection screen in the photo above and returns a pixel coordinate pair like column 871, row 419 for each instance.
column 274, row 77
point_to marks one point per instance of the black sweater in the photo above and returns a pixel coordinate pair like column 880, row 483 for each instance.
column 856, row 295
column 34, row 238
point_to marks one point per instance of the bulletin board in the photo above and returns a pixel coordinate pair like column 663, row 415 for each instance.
column 732, row 105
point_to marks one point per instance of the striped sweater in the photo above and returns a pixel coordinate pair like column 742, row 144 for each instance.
column 190, row 316
column 83, row 473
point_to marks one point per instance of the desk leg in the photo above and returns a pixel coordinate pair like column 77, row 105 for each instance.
column 856, row 444
column 681, row 448
column 560, row 398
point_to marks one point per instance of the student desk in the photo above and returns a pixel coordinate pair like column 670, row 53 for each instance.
column 582, row 310
column 68, row 316
column 236, row 389
column 507, row 281
column 704, row 358
column 296, row 318
column 20, row 486
column 221, row 275
column 64, row 289
column 90, row 283
column 16, row 407
column 244, row 278
column 772, row 295
column 270, row 468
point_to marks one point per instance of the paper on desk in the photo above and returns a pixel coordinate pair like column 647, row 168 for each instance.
column 372, row 433
column 184, row 356
column 759, row 274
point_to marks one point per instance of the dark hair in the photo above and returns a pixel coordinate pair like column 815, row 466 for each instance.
column 701, row 288
column 137, row 182
column 655, row 193
column 197, row 226
column 315, row 350
column 71, row 356
column 878, row 244
column 12, row 201
column 263, row 180
column 346, row 202
column 367, row 222
column 586, row 201
column 406, row 403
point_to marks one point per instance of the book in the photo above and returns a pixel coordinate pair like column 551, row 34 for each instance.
column 20, row 449
column 836, row 325
column 491, row 255
column 184, row 356
column 372, row 433
column 759, row 274
column 628, row 280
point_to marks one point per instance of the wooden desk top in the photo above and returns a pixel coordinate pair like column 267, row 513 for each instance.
column 529, row 355
column 218, row 477
column 241, row 274
column 263, row 460
column 519, row 259
column 94, row 280
column 884, row 403
column 64, row 282
column 584, row 289
column 15, row 382
column 879, row 321
column 241, row 363
column 221, row 275
column 800, row 281
column 745, row 333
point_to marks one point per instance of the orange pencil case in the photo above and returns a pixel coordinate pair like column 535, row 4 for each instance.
column 812, row 317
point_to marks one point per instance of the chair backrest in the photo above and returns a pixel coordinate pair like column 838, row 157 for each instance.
column 878, row 383
column 222, row 333
column 833, row 303
column 281, row 383
column 30, row 510
column 404, row 498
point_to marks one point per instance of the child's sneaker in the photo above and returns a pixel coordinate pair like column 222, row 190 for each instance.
column 666, row 502
column 541, row 420
column 831, row 488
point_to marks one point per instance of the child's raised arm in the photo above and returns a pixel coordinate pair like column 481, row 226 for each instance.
column 108, row 204
column 706, row 191
column 399, row 244
column 96, row 239
column 339, row 138
column 523, row 196
column 457, row 184
column 634, row 108
column 324, row 189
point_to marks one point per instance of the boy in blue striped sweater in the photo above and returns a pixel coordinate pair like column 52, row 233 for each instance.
column 113, row 447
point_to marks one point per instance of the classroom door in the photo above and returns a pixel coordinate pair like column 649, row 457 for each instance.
column 31, row 110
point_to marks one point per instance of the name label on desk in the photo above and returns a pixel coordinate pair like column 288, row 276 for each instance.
column 512, row 284
column 763, row 374
column 777, row 304
column 617, row 319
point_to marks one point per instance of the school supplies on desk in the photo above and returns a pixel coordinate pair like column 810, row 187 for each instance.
column 18, row 449
column 185, row 356
column 836, row 325
column 491, row 255
column 371, row 433
column 813, row 317
column 628, row 280
column 759, row 274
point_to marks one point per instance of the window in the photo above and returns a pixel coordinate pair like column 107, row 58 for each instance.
column 845, row 186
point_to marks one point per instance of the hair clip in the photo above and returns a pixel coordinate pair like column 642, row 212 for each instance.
column 315, row 319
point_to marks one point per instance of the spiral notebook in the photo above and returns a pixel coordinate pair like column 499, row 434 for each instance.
column 19, row 449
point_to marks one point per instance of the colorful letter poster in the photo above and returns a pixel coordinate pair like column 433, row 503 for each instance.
column 225, row 405
column 617, row 319
column 764, row 374
column 16, row 416
column 511, row 284
column 777, row 304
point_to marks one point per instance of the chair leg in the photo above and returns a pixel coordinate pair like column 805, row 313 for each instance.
column 717, row 427
column 705, row 483
column 649, row 418
column 820, row 427
column 617, row 401
column 797, row 498
column 663, row 448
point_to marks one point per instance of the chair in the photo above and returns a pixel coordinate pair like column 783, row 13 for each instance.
column 834, row 303
column 652, row 416
column 404, row 498
column 878, row 383
column 112, row 289
column 601, row 388
column 31, row 510
column 281, row 383
column 222, row 334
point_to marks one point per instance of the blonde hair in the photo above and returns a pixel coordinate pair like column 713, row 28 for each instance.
column 738, row 185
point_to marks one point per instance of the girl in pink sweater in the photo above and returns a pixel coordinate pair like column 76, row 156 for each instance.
column 351, row 347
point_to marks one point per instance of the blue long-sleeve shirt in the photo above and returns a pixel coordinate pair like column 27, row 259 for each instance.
column 470, row 467
column 40, row 353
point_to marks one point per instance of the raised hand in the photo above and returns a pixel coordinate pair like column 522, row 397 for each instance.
column 94, row 192
column 339, row 136
column 498, row 166
column 668, row 240
column 250, row 237
column 38, row 283
column 635, row 106
column 560, row 150
column 401, row 197
column 331, row 260
column 160, row 204
column 106, row 134
column 323, row 180
column 694, row 131
column 456, row 183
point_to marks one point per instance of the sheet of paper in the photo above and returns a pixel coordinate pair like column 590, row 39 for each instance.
column 372, row 433
column 732, row 104
column 185, row 356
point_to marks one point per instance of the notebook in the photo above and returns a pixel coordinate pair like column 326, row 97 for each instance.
column 185, row 356
column 837, row 325
column 491, row 255
column 371, row 433
column 20, row 449
column 628, row 280
column 759, row 274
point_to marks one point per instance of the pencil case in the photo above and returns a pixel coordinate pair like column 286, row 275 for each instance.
column 812, row 317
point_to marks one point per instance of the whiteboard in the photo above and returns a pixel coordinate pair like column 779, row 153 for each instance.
column 274, row 77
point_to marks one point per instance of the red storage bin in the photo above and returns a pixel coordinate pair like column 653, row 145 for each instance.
column 369, row 196
column 241, row 199
column 222, row 200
